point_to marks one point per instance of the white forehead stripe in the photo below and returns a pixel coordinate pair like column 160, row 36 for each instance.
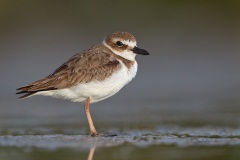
column 130, row 43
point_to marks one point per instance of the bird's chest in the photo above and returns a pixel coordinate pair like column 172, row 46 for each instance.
column 120, row 78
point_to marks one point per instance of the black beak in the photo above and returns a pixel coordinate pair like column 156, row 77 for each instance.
column 140, row 51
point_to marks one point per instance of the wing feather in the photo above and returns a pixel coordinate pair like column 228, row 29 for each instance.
column 96, row 63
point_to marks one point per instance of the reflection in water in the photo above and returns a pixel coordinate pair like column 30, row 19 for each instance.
column 91, row 152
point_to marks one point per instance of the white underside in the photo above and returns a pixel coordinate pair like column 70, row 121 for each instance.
column 96, row 90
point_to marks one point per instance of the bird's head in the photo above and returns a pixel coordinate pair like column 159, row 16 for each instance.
column 123, row 44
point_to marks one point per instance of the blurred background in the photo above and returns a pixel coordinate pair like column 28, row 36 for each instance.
column 190, row 78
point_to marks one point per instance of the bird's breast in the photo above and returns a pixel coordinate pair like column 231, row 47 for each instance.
column 99, row 90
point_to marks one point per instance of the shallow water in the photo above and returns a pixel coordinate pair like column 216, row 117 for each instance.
column 165, row 129
column 165, row 142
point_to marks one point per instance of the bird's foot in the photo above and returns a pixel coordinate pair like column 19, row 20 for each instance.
column 94, row 134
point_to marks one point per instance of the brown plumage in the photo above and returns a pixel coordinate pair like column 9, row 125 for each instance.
column 96, row 63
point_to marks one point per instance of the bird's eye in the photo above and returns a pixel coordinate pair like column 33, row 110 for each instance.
column 119, row 43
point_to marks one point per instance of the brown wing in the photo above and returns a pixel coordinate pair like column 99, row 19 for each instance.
column 96, row 63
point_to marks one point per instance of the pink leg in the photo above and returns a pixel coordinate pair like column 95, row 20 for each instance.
column 89, row 118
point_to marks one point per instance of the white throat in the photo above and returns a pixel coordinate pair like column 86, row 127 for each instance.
column 127, row 54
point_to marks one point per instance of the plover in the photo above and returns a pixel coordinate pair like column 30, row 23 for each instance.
column 92, row 75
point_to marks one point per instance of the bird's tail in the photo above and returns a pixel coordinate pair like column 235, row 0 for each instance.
column 26, row 94
column 44, row 84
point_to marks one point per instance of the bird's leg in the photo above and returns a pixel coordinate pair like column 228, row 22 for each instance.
column 89, row 118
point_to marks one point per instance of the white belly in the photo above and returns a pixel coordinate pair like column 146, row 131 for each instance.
column 96, row 90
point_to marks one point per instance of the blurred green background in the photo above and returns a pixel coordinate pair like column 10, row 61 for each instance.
column 193, row 67
column 194, row 48
column 191, row 77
